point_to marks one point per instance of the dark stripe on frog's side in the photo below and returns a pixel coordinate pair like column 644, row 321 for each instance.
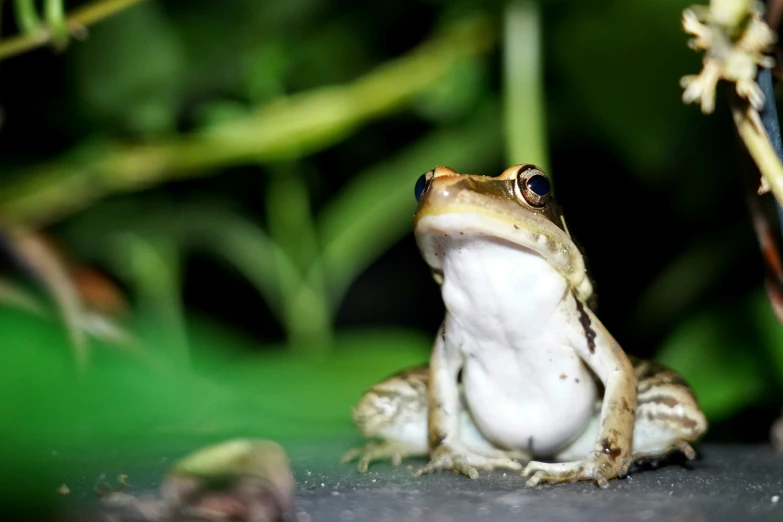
column 584, row 320
column 660, row 393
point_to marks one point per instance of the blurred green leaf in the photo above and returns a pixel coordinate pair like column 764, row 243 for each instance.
column 266, row 73
column 151, row 264
column 289, row 217
column 290, row 224
column 375, row 208
column 286, row 129
column 619, row 65
column 310, row 386
column 130, row 73
column 526, row 133
column 719, row 357
column 771, row 333
column 457, row 93
column 219, row 112
column 274, row 396
column 26, row 15
column 687, row 278
column 54, row 13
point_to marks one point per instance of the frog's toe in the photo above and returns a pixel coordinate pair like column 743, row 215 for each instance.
column 683, row 447
column 597, row 468
column 443, row 462
column 654, row 455
column 543, row 472
column 376, row 451
column 465, row 462
column 546, row 477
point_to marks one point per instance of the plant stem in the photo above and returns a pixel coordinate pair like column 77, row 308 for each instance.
column 34, row 36
column 305, row 305
column 756, row 140
column 26, row 16
column 153, row 266
column 288, row 128
column 523, row 75
column 54, row 12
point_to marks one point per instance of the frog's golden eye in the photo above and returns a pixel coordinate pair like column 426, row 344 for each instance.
column 534, row 186
column 423, row 183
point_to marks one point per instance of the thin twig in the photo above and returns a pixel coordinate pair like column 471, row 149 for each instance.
column 76, row 23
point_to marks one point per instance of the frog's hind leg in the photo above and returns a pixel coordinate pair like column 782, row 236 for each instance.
column 395, row 412
column 668, row 417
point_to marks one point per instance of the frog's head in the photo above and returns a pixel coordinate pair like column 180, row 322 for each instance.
column 515, row 207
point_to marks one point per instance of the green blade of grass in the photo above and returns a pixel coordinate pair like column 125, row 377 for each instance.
column 523, row 85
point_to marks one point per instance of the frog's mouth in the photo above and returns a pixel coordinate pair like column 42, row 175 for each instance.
column 535, row 234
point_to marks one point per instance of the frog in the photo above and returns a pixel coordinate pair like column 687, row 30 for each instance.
column 522, row 371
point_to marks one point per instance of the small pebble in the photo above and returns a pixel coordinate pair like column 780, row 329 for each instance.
column 775, row 499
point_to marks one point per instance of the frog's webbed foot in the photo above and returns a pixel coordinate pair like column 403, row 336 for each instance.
column 462, row 460
column 598, row 467
column 656, row 455
column 373, row 451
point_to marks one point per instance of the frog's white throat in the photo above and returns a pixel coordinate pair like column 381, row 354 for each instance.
column 486, row 273
column 532, row 234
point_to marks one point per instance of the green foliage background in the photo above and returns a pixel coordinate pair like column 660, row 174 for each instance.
column 276, row 143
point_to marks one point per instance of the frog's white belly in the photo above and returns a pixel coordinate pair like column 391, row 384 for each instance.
column 507, row 311
column 519, row 406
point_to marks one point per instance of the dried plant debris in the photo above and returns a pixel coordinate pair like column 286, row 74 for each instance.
column 88, row 303
column 241, row 479
column 735, row 40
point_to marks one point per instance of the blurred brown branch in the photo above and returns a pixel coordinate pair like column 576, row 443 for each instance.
column 76, row 23
column 289, row 127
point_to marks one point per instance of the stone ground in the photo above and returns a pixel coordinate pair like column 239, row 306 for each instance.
column 727, row 483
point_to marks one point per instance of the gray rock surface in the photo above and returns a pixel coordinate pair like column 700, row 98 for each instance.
column 727, row 483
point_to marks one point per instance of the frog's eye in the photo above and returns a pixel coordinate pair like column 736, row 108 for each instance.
column 422, row 183
column 534, row 186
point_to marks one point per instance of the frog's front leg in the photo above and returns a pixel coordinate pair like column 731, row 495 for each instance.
column 611, row 452
column 668, row 417
column 448, row 451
